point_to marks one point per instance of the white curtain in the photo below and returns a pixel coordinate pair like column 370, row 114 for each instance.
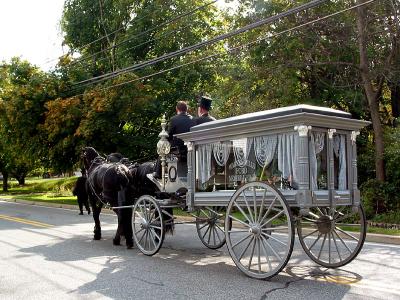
column 317, row 144
column 221, row 152
column 204, row 162
column 241, row 150
column 287, row 155
column 264, row 149
column 339, row 148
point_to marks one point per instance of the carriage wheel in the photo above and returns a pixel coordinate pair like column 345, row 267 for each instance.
column 332, row 236
column 260, row 241
column 148, row 225
column 210, row 225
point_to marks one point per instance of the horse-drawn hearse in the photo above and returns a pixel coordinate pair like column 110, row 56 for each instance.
column 250, row 180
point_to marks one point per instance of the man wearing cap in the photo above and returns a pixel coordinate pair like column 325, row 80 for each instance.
column 203, row 109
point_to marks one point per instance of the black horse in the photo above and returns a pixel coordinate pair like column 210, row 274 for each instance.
column 109, row 183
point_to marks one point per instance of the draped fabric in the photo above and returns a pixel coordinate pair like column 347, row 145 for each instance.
column 339, row 148
column 265, row 148
column 221, row 152
column 317, row 144
column 241, row 150
column 204, row 160
column 287, row 155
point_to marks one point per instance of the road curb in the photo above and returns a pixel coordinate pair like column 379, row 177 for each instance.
column 371, row 237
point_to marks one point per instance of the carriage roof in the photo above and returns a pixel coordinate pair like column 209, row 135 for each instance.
column 274, row 119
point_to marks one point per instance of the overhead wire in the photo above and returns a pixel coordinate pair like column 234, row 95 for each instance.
column 188, row 13
column 179, row 52
column 239, row 47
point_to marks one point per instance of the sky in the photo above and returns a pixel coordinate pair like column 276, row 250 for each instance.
column 30, row 29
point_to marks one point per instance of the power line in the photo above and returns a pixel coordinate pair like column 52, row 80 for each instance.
column 149, row 30
column 251, row 26
column 239, row 47
column 113, row 32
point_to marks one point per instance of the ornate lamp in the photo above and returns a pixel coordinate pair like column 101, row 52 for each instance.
column 163, row 148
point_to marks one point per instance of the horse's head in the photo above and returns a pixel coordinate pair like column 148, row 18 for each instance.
column 88, row 155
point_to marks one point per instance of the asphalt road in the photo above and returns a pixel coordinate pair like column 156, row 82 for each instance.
column 48, row 253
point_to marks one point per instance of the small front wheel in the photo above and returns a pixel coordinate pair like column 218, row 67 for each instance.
column 148, row 225
column 210, row 226
column 260, row 241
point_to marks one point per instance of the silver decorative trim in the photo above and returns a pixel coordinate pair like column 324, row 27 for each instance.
column 330, row 133
column 354, row 135
column 189, row 146
column 302, row 129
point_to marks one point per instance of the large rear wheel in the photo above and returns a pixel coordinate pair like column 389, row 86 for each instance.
column 260, row 241
column 332, row 236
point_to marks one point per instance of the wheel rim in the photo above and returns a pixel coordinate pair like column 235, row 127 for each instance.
column 210, row 225
column 328, row 236
column 148, row 225
column 260, row 241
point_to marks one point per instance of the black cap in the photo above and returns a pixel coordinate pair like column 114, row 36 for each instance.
column 205, row 102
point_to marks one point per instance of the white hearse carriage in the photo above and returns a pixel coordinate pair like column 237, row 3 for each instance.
column 250, row 180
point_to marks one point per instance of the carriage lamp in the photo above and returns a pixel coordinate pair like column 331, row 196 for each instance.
column 163, row 148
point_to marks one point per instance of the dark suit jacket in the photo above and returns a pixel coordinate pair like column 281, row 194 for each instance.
column 204, row 119
column 180, row 123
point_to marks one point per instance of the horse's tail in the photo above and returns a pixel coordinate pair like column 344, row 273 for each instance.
column 168, row 214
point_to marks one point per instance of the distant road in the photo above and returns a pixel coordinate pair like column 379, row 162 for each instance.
column 48, row 253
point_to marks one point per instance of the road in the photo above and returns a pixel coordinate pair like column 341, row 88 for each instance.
column 48, row 253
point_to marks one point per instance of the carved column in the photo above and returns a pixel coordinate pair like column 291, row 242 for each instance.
column 303, row 196
column 354, row 174
column 190, row 176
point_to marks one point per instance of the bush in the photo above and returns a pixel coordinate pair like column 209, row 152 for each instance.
column 378, row 197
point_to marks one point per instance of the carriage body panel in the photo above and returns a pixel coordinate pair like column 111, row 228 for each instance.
column 319, row 142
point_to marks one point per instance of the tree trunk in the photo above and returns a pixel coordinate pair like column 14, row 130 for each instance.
column 371, row 95
column 21, row 180
column 395, row 98
column 5, row 181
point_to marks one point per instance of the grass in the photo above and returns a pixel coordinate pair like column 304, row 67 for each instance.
column 58, row 190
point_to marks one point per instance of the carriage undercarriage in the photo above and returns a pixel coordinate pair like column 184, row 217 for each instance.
column 257, row 218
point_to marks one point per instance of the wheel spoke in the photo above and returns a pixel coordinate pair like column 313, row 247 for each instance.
column 237, row 220
column 153, row 238
column 268, row 210
column 243, row 213
column 347, row 247
column 317, row 239
column 337, row 249
column 262, row 206
column 266, row 254
column 272, row 248
column 154, row 232
column 338, row 219
column 322, row 246
column 346, row 233
column 142, row 236
column 320, row 211
column 241, row 241
column 275, row 228
column 252, row 253
column 255, row 204
column 245, row 249
column 329, row 246
column 310, row 233
column 271, row 237
column 216, row 231
column 313, row 215
column 208, row 228
column 200, row 228
column 156, row 227
column 273, row 218
column 248, row 206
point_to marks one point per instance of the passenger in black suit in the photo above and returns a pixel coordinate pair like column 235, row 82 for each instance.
column 203, row 111
column 180, row 123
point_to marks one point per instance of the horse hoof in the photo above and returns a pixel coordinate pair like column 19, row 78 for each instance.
column 116, row 242
column 97, row 237
column 129, row 245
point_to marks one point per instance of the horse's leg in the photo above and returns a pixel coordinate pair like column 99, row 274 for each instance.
column 126, row 218
column 119, row 232
column 96, row 217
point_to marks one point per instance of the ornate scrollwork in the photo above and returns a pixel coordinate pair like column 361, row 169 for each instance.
column 302, row 129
